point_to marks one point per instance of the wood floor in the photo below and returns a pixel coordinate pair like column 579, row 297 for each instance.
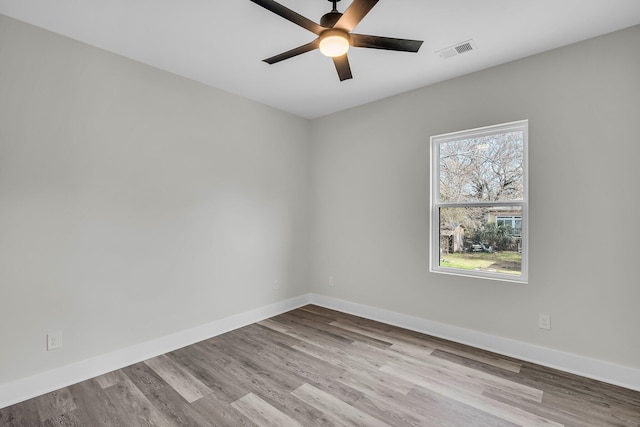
column 318, row 367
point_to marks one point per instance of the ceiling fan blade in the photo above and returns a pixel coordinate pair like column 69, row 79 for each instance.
column 388, row 43
column 342, row 67
column 354, row 14
column 293, row 52
column 290, row 15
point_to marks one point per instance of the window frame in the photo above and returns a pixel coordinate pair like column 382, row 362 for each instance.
column 436, row 205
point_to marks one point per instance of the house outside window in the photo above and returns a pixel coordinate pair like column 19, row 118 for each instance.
column 479, row 202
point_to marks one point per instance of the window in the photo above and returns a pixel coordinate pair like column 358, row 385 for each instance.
column 513, row 222
column 479, row 202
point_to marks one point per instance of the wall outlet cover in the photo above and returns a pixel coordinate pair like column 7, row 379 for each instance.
column 54, row 340
column 544, row 321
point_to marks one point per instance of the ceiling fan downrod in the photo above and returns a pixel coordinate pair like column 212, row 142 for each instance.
column 328, row 20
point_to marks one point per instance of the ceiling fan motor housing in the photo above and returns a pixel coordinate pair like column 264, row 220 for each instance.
column 328, row 20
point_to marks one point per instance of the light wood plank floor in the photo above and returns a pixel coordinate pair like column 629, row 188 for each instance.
column 317, row 367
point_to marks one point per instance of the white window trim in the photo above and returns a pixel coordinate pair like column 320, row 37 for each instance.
column 434, row 190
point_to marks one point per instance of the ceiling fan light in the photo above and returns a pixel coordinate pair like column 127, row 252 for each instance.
column 334, row 43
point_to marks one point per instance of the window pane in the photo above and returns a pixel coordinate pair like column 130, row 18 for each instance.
column 481, row 238
column 486, row 168
column 517, row 229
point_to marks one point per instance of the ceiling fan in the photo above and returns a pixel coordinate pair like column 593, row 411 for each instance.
column 334, row 34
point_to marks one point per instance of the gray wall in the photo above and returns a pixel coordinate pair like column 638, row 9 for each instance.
column 371, row 200
column 135, row 203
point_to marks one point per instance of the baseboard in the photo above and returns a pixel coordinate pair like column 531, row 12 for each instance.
column 567, row 362
column 36, row 385
column 45, row 382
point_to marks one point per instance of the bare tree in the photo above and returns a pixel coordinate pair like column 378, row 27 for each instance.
column 482, row 169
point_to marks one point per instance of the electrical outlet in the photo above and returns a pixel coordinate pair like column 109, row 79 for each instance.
column 276, row 284
column 54, row 340
column 544, row 321
column 332, row 283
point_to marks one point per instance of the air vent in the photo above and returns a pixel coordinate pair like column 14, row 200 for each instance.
column 457, row 49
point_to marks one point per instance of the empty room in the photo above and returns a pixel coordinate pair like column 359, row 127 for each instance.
column 319, row 213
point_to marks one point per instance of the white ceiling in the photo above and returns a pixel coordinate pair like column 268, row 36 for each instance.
column 222, row 43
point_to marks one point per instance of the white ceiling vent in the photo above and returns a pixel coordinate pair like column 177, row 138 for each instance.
column 458, row 49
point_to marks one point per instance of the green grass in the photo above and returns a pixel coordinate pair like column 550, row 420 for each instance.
column 508, row 262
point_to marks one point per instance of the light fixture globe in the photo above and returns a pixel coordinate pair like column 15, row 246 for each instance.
column 334, row 43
